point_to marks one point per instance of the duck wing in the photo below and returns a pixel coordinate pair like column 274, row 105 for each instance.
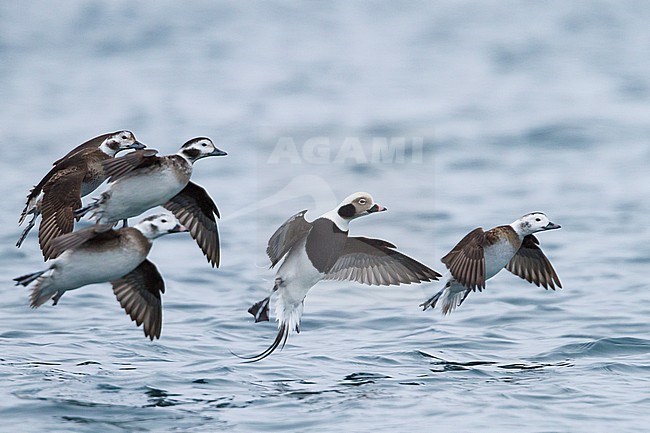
column 377, row 262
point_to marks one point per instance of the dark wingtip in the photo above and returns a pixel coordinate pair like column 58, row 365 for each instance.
column 214, row 261
column 151, row 334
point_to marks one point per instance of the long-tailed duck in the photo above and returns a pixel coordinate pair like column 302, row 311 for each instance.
column 142, row 180
column 322, row 250
column 100, row 254
column 75, row 175
column 480, row 255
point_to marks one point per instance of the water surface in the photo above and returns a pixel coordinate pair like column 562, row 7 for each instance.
column 503, row 108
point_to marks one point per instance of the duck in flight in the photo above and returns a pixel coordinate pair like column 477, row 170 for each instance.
column 99, row 254
column 481, row 254
column 323, row 250
column 72, row 177
column 142, row 180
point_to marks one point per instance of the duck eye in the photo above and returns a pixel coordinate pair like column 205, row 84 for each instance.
column 362, row 201
column 538, row 219
column 164, row 221
column 203, row 144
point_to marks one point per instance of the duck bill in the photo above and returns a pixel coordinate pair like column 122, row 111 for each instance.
column 137, row 145
column 552, row 226
column 376, row 208
column 217, row 152
column 179, row 228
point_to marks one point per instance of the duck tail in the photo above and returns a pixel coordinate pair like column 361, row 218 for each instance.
column 41, row 293
column 288, row 313
column 288, row 316
column 95, row 207
column 280, row 341
column 26, row 280
column 31, row 207
column 27, row 229
column 450, row 297
column 43, row 289
column 84, row 210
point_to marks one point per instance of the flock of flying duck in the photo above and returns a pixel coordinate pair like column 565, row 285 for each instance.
column 308, row 251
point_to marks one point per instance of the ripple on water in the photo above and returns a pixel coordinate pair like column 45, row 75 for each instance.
column 611, row 346
column 501, row 137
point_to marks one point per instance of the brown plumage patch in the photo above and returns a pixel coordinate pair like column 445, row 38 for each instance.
column 62, row 187
column 139, row 292
column 194, row 208
column 532, row 265
column 466, row 261
column 116, row 168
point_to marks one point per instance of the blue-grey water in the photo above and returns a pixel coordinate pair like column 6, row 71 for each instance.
column 453, row 114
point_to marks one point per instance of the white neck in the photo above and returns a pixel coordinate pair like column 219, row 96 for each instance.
column 340, row 222
column 142, row 228
column 517, row 226
column 107, row 150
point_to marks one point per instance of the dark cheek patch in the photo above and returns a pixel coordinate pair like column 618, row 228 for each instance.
column 113, row 145
column 347, row 211
column 192, row 153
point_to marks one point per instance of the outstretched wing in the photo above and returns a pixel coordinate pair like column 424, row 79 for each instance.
column 286, row 236
column 139, row 293
column 532, row 265
column 98, row 232
column 70, row 160
column 92, row 144
column 115, row 168
column 466, row 260
column 195, row 210
column 61, row 196
column 376, row 262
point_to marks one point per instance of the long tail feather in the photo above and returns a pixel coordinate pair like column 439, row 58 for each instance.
column 31, row 207
column 281, row 338
column 27, row 229
column 22, row 217
column 84, row 210
column 431, row 302
column 25, row 280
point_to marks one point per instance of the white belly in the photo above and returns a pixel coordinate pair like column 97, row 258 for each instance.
column 78, row 268
column 298, row 275
column 497, row 257
column 134, row 195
